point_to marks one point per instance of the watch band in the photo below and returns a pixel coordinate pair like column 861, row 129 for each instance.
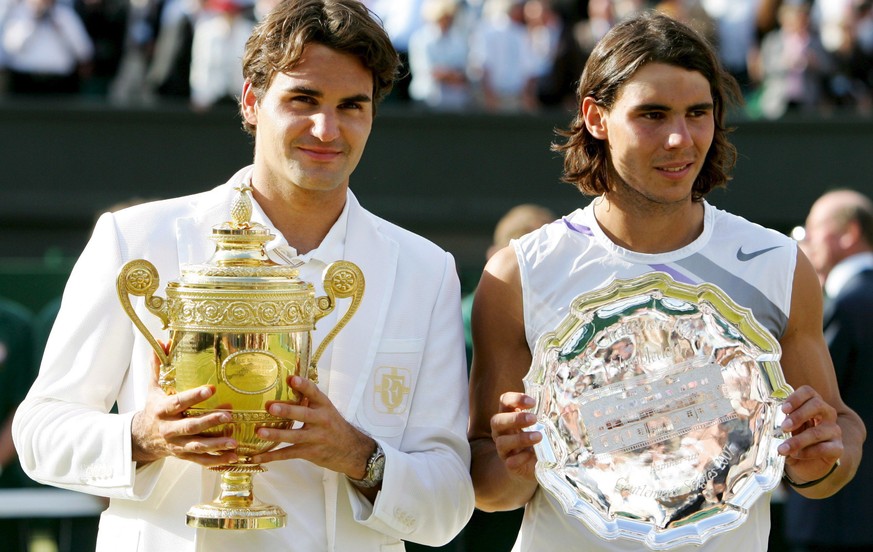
column 374, row 470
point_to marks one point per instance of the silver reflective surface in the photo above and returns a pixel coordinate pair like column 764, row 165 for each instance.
column 659, row 406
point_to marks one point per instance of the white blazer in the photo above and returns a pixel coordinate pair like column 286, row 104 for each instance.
column 409, row 321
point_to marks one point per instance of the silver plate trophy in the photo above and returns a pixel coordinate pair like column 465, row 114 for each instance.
column 659, row 404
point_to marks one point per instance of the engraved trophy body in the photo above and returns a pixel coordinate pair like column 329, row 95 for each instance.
column 241, row 323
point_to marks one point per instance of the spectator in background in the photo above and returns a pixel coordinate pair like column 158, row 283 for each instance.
column 44, row 48
column 839, row 241
column 106, row 23
column 847, row 84
column 829, row 19
column 577, row 40
column 501, row 59
column 129, row 85
column 862, row 65
column 544, row 28
column 401, row 19
column 736, row 28
column 169, row 70
column 16, row 374
column 864, row 26
column 588, row 32
column 792, row 63
column 768, row 15
column 517, row 222
column 220, row 35
column 692, row 14
column 438, row 53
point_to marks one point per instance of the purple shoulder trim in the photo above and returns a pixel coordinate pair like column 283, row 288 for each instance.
column 577, row 228
column 675, row 274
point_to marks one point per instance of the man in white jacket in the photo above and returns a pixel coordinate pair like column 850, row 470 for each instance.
column 314, row 70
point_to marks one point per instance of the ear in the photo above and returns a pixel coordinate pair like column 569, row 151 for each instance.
column 851, row 236
column 595, row 118
column 249, row 103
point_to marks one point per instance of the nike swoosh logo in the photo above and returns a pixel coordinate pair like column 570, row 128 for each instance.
column 742, row 256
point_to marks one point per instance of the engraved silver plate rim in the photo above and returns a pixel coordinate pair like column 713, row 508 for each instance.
column 766, row 474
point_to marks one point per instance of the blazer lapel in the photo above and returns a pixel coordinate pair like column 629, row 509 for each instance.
column 355, row 347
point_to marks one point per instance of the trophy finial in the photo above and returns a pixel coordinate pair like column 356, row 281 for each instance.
column 241, row 208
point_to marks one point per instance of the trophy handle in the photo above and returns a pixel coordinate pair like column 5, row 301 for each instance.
column 342, row 279
column 140, row 278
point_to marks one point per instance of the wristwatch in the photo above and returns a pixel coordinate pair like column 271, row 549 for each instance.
column 375, row 470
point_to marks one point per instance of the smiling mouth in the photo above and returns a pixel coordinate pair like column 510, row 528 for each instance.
column 320, row 154
column 675, row 169
column 317, row 151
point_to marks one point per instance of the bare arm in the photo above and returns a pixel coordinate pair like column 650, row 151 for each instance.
column 824, row 428
column 503, row 458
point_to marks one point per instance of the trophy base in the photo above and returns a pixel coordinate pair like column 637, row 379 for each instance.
column 217, row 516
column 236, row 507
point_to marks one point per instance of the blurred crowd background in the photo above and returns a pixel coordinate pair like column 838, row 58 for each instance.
column 488, row 55
column 464, row 58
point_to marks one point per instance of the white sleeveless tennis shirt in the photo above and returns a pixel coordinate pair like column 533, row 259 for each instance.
column 752, row 264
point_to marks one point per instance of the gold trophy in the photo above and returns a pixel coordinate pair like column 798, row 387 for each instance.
column 241, row 323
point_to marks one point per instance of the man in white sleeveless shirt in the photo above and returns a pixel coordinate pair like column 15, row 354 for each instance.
column 649, row 142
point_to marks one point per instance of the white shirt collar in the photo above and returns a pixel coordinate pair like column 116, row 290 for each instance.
column 845, row 270
column 331, row 248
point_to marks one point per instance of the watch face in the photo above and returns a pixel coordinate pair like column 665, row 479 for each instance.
column 378, row 467
column 375, row 468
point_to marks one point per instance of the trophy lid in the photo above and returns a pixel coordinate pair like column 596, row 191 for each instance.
column 240, row 251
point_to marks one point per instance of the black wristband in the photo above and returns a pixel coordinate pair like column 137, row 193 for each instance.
column 814, row 481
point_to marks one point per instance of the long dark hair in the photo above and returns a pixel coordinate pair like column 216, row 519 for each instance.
column 649, row 37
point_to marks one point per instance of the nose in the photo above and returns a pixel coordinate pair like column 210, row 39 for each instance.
column 679, row 135
column 325, row 126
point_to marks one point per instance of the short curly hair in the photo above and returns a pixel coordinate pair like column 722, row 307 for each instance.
column 649, row 37
column 347, row 26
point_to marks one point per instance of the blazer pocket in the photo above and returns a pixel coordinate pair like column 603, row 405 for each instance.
column 388, row 395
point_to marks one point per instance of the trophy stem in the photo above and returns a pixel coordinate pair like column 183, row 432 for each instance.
column 236, row 506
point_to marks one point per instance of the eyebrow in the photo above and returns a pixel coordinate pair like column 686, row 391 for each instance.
column 357, row 98
column 704, row 106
